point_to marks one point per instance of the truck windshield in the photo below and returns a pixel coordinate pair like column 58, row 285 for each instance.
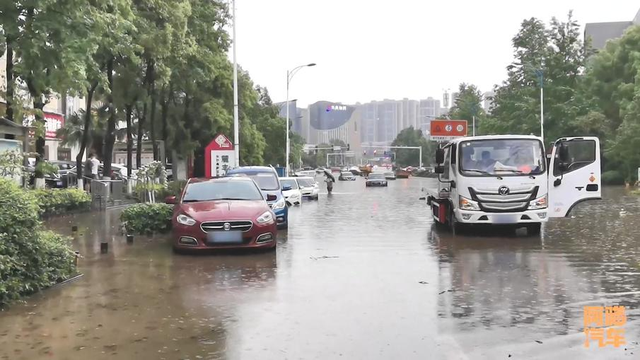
column 503, row 157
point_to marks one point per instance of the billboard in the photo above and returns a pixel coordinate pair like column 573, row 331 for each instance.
column 325, row 115
column 448, row 129
column 53, row 122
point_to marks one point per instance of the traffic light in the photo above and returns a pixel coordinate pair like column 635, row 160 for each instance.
column 364, row 152
column 315, row 151
column 348, row 147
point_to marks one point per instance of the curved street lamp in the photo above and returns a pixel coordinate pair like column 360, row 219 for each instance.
column 290, row 74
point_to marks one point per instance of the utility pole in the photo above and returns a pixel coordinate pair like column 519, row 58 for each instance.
column 540, row 75
column 236, row 122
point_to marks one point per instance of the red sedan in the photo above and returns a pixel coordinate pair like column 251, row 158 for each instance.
column 222, row 213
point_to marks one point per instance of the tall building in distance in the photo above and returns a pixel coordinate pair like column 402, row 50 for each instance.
column 334, row 121
column 410, row 111
column 454, row 98
column 487, row 101
column 445, row 99
column 429, row 110
column 600, row 33
column 374, row 124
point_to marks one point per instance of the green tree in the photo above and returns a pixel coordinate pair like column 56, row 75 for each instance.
column 410, row 157
column 611, row 87
column 51, row 48
column 555, row 55
column 468, row 105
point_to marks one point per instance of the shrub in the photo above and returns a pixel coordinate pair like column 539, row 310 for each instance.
column 612, row 177
column 174, row 188
column 58, row 201
column 147, row 218
column 30, row 259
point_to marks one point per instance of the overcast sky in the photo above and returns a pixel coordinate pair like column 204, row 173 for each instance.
column 376, row 49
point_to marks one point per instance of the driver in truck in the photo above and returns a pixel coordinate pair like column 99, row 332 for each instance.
column 487, row 162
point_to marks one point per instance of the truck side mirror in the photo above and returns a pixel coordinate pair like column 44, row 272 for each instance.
column 439, row 169
column 439, row 156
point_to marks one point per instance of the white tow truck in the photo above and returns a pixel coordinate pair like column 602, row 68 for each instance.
column 510, row 180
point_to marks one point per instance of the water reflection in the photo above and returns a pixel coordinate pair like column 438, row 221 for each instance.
column 526, row 288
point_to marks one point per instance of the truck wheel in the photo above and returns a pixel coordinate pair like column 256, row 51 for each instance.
column 533, row 229
column 456, row 227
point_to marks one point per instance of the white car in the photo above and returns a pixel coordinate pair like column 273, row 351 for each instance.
column 291, row 190
column 309, row 187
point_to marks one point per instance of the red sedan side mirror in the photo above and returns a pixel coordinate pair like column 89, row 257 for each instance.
column 170, row 200
column 271, row 197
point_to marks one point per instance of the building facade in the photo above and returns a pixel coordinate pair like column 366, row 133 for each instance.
column 334, row 121
column 429, row 110
column 600, row 33
column 56, row 111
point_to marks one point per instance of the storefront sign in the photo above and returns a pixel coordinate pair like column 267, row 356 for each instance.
column 53, row 122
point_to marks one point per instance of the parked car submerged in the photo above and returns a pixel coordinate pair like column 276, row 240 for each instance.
column 309, row 187
column 376, row 179
column 291, row 190
column 346, row 176
column 267, row 180
column 223, row 213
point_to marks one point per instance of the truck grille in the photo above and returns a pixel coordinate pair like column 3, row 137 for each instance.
column 492, row 201
column 242, row 225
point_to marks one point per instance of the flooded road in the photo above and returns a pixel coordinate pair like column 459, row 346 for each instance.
column 362, row 274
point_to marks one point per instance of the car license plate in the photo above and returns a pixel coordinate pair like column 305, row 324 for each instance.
column 504, row 219
column 224, row 237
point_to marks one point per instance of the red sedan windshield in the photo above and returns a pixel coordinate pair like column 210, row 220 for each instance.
column 227, row 190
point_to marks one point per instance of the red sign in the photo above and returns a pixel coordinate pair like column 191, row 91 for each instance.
column 448, row 129
column 220, row 142
column 53, row 122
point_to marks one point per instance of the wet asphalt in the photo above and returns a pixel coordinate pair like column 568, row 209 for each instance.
column 360, row 274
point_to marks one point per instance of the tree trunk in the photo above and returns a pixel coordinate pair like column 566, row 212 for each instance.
column 110, row 136
column 141, row 120
column 166, row 98
column 38, row 105
column 10, row 80
column 129, row 111
column 85, row 134
column 152, row 118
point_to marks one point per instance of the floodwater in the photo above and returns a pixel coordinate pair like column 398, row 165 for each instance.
column 360, row 274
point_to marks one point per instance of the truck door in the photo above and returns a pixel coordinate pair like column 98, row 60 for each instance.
column 574, row 174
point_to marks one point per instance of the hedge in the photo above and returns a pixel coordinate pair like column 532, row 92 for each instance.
column 31, row 258
column 147, row 218
column 59, row 201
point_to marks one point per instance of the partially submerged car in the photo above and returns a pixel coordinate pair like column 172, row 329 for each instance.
column 376, row 179
column 222, row 213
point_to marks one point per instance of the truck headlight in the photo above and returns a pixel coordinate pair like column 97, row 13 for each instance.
column 185, row 220
column 280, row 204
column 265, row 218
column 539, row 203
column 468, row 204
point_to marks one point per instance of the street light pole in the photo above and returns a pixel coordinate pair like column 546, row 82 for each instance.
column 540, row 75
column 474, row 125
column 290, row 75
column 236, row 122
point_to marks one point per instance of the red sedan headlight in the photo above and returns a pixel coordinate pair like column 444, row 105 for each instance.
column 266, row 218
column 185, row 220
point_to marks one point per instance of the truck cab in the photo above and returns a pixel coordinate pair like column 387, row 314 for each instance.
column 508, row 180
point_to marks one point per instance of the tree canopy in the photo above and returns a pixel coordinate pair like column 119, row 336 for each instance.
column 410, row 157
column 160, row 66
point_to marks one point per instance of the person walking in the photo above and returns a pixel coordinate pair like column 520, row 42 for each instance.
column 95, row 166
